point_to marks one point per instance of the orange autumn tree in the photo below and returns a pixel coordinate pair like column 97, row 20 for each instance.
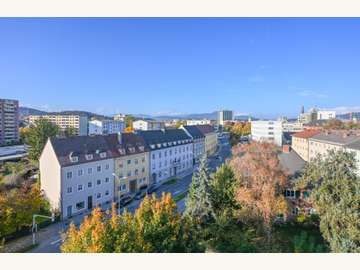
column 261, row 182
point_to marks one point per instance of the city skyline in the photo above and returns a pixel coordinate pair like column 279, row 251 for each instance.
column 262, row 67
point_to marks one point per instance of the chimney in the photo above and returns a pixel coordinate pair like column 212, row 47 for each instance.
column 286, row 148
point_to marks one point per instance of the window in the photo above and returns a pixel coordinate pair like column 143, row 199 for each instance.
column 89, row 184
column 69, row 190
column 80, row 187
column 136, row 161
column 107, row 180
column 107, row 193
column 143, row 160
column 98, row 168
column 98, row 195
column 69, row 175
column 159, row 154
column 129, row 161
column 136, row 172
column 98, row 182
column 89, row 157
column 80, row 172
column 153, row 156
column 103, row 155
column 141, row 148
column 121, row 165
column 90, row 171
column 129, row 174
column 165, row 153
column 74, row 159
column 107, row 166
column 80, row 205
column 143, row 170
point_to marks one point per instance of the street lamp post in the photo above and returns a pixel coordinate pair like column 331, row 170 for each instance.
column 34, row 225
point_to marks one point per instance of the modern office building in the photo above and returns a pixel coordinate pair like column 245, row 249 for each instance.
column 326, row 115
column 267, row 131
column 77, row 174
column 77, row 122
column 224, row 116
column 171, row 153
column 104, row 127
column 148, row 125
column 198, row 141
column 9, row 121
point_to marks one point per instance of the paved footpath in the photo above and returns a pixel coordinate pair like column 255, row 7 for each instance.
column 51, row 238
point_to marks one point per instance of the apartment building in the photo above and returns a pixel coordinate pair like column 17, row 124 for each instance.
column 9, row 121
column 105, row 126
column 195, row 122
column 198, row 141
column 131, row 162
column 148, row 125
column 267, row 131
column 292, row 127
column 321, row 143
column 171, row 153
column 79, row 123
column 224, row 116
column 326, row 115
column 77, row 174
column 211, row 139
column 300, row 142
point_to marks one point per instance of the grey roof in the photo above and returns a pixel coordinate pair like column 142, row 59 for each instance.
column 336, row 138
column 80, row 146
column 194, row 132
column 205, row 129
column 292, row 162
column 154, row 137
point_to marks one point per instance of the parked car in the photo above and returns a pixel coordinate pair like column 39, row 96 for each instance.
column 140, row 194
column 152, row 189
column 125, row 200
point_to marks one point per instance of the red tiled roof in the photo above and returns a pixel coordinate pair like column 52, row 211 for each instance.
column 306, row 134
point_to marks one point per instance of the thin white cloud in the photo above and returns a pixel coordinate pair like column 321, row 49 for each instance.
column 344, row 109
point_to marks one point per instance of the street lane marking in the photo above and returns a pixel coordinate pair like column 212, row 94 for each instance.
column 55, row 242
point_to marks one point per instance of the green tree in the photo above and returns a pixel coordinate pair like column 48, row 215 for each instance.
column 336, row 198
column 70, row 132
column 199, row 206
column 306, row 243
column 129, row 119
column 223, row 191
column 38, row 135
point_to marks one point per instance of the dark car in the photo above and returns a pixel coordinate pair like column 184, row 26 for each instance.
column 140, row 194
column 125, row 200
column 152, row 189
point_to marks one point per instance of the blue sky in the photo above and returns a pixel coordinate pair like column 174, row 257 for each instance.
column 265, row 67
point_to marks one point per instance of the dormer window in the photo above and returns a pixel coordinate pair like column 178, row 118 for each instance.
column 74, row 158
column 141, row 148
column 89, row 157
column 152, row 146
column 164, row 144
column 169, row 143
column 103, row 155
column 179, row 142
column 122, row 151
column 159, row 145
column 174, row 143
column 132, row 149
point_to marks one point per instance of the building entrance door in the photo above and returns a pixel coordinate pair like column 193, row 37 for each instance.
column 133, row 186
column 90, row 203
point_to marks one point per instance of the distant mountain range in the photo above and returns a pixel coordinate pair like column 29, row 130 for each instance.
column 24, row 111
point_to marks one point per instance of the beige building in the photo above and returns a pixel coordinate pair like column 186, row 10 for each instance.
column 131, row 163
column 321, row 143
column 300, row 143
column 79, row 123
column 148, row 125
column 211, row 139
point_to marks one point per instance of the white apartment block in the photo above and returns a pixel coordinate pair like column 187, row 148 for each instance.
column 199, row 148
column 292, row 127
column 326, row 115
column 267, row 131
column 195, row 122
column 104, row 127
column 79, row 123
column 77, row 174
column 148, row 125
column 171, row 153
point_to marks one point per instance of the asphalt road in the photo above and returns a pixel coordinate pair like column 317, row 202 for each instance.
column 50, row 238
